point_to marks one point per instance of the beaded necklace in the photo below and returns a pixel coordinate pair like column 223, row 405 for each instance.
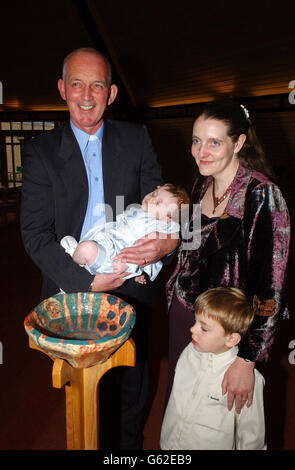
column 219, row 200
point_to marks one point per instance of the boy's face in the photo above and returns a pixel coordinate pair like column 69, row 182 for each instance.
column 208, row 335
column 160, row 202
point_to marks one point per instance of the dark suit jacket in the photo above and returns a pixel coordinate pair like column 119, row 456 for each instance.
column 55, row 196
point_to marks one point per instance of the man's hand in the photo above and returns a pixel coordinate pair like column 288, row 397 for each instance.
column 106, row 282
column 149, row 249
column 238, row 382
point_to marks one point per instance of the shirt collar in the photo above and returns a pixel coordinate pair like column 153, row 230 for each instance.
column 217, row 361
column 82, row 137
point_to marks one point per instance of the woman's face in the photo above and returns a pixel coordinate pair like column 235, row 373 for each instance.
column 213, row 149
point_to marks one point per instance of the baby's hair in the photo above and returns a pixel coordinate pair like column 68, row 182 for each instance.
column 182, row 197
column 178, row 192
column 227, row 305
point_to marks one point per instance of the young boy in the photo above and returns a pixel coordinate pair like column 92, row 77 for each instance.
column 197, row 416
column 101, row 244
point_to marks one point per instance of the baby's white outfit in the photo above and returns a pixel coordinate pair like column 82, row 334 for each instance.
column 112, row 237
column 197, row 417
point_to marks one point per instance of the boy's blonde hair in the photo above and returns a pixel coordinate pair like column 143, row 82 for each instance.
column 227, row 305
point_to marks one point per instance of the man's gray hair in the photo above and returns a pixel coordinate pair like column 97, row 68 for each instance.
column 91, row 51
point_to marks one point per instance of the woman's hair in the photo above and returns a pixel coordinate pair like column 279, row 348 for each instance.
column 236, row 118
column 227, row 305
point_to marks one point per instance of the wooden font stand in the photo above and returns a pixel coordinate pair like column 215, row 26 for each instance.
column 81, row 387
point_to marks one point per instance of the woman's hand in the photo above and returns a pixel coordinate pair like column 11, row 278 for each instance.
column 149, row 249
column 238, row 382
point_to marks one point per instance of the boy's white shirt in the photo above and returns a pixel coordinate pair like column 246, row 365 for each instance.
column 197, row 416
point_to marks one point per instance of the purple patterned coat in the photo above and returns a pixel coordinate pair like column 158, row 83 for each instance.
column 247, row 247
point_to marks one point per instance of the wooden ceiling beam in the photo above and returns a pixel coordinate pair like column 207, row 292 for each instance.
column 89, row 19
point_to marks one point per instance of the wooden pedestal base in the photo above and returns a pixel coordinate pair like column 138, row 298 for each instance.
column 81, row 387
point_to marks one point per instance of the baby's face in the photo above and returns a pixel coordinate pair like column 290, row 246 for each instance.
column 160, row 202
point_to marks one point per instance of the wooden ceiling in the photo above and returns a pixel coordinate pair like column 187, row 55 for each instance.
column 164, row 53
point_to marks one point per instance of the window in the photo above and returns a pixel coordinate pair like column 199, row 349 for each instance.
column 14, row 147
column 13, row 135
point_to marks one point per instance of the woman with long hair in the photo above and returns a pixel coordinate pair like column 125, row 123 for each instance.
column 244, row 241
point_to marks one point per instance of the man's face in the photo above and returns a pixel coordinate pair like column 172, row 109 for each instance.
column 86, row 90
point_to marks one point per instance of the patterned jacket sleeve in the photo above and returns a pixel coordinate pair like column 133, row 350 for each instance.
column 267, row 237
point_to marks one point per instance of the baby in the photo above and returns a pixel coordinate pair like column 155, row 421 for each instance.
column 197, row 417
column 101, row 244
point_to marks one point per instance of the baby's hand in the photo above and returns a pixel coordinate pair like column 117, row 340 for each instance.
column 140, row 279
column 119, row 266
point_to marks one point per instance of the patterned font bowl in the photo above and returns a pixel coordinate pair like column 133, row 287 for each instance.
column 83, row 328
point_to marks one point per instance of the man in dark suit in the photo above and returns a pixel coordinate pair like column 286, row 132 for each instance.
column 60, row 194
